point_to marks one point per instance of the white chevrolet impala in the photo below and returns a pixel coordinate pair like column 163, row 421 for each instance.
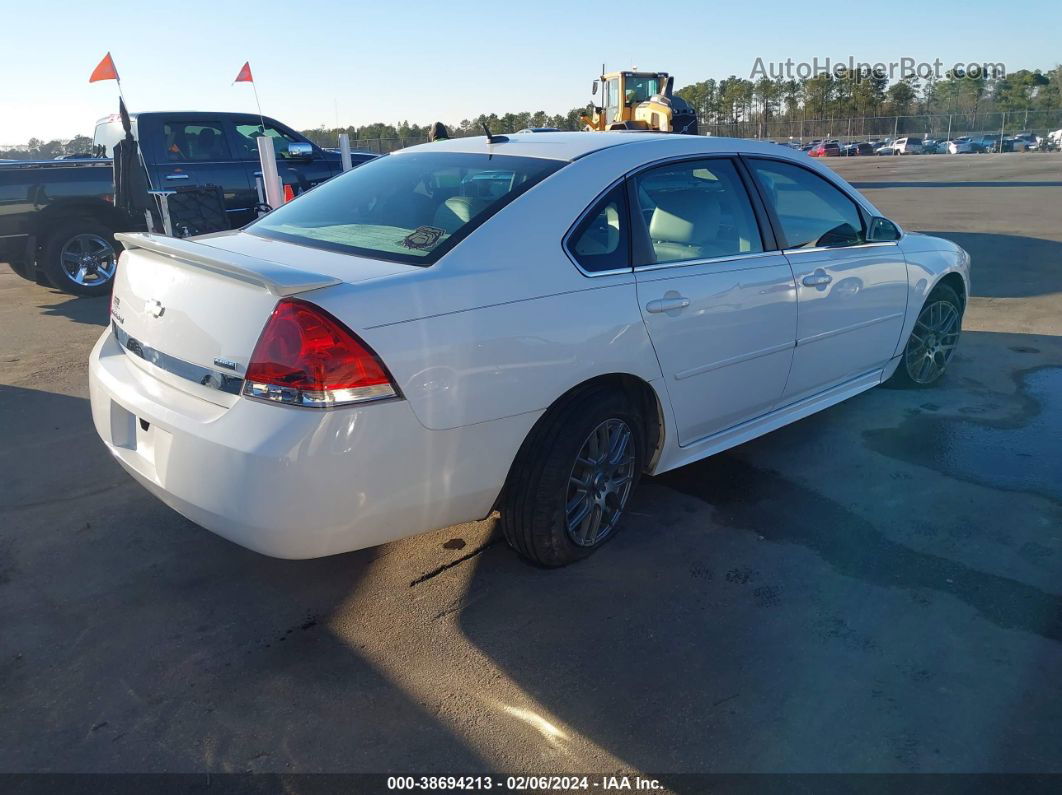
column 525, row 324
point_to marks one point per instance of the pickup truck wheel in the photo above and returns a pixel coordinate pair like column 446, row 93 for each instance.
column 80, row 257
column 572, row 479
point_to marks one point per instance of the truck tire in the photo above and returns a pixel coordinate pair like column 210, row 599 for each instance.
column 80, row 257
column 546, row 519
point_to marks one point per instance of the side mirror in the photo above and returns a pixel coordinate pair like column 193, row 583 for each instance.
column 882, row 230
column 593, row 89
column 300, row 151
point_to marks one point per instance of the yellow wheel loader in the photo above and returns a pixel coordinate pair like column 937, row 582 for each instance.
column 640, row 101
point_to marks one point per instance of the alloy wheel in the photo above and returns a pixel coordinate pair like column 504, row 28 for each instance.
column 600, row 483
column 933, row 340
column 88, row 260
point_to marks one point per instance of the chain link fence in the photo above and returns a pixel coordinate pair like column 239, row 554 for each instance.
column 860, row 128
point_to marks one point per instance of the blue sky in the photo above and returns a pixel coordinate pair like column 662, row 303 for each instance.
column 381, row 61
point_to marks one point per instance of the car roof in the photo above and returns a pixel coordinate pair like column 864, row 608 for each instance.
column 570, row 146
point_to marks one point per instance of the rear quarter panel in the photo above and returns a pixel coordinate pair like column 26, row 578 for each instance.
column 505, row 323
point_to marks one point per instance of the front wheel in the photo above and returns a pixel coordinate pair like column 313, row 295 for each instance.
column 932, row 342
column 81, row 257
column 571, row 481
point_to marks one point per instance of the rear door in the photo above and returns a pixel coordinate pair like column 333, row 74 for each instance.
column 715, row 294
column 851, row 295
column 195, row 150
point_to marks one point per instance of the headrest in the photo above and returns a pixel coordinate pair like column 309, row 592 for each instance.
column 685, row 216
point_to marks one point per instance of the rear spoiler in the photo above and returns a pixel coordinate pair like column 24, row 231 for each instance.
column 277, row 279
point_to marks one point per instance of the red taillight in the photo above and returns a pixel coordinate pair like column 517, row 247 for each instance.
column 305, row 357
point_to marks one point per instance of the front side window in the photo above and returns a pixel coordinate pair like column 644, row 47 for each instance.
column 410, row 207
column 812, row 212
column 695, row 210
column 247, row 135
column 600, row 242
column 197, row 141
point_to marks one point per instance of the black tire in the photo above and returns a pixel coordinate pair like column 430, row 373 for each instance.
column 27, row 270
column 63, row 239
column 534, row 518
column 911, row 372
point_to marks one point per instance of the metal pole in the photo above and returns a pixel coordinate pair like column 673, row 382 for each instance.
column 949, row 128
column 344, row 151
column 274, row 190
column 1002, row 127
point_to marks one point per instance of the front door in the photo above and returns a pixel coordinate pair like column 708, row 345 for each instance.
column 718, row 303
column 196, row 152
column 851, row 295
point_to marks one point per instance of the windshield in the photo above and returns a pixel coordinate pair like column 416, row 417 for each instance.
column 639, row 89
column 409, row 207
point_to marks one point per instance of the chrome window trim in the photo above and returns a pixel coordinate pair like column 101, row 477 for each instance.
column 688, row 263
column 788, row 251
column 204, row 376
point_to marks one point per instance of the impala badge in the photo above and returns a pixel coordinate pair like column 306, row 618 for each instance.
column 226, row 363
column 154, row 308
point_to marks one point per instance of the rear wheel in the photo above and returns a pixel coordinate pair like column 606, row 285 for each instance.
column 80, row 257
column 572, row 479
column 932, row 342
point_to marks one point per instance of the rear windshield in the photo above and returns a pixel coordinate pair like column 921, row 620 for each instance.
column 411, row 207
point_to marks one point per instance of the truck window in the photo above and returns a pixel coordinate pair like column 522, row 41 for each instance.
column 195, row 141
column 247, row 135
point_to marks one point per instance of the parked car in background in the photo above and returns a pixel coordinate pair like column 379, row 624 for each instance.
column 885, row 149
column 467, row 325
column 58, row 219
column 907, row 146
column 1028, row 140
column 961, row 146
column 538, row 130
column 856, row 149
column 826, row 149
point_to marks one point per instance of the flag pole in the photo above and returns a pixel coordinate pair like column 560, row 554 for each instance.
column 261, row 118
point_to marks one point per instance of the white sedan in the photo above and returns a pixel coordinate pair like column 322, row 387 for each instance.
column 525, row 324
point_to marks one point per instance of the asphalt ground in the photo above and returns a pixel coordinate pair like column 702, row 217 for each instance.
column 873, row 589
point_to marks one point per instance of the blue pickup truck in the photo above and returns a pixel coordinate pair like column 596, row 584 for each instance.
column 58, row 219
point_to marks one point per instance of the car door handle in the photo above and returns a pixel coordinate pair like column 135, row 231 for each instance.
column 819, row 278
column 669, row 304
column 176, row 176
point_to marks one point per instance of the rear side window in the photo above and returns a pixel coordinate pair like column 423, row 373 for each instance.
column 812, row 212
column 601, row 242
column 695, row 210
column 197, row 141
column 411, row 207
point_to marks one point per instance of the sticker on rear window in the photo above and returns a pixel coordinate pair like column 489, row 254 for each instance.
column 423, row 237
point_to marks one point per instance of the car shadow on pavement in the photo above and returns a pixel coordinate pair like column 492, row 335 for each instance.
column 1010, row 266
column 80, row 309
column 135, row 641
column 806, row 603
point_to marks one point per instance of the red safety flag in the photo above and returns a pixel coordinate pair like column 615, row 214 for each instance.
column 105, row 70
column 245, row 74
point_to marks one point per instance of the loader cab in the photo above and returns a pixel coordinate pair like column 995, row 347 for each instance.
column 623, row 91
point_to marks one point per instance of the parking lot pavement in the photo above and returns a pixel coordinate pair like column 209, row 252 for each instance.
column 874, row 588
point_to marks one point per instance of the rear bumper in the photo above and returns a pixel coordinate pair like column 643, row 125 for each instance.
column 291, row 482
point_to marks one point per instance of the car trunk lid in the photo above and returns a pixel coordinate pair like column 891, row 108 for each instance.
column 189, row 313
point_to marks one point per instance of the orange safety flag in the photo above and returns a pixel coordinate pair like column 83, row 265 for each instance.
column 245, row 74
column 105, row 70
